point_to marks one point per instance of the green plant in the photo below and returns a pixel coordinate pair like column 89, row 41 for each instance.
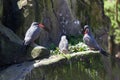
column 78, row 47
column 112, row 9
column 75, row 45
column 56, row 51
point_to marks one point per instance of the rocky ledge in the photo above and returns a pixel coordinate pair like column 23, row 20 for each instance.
column 11, row 51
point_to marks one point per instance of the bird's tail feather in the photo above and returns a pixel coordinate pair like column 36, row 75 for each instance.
column 104, row 52
column 24, row 48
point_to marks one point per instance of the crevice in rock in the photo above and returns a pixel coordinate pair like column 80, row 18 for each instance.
column 101, row 6
column 54, row 10
column 12, row 15
column 36, row 10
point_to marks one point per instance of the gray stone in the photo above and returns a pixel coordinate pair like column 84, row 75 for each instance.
column 38, row 52
column 1, row 9
column 11, row 50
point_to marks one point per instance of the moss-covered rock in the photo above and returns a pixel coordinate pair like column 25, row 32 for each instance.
column 23, row 70
column 11, row 50
column 9, row 46
column 38, row 52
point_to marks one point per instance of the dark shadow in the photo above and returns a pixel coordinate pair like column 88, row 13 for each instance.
column 73, row 40
column 12, row 15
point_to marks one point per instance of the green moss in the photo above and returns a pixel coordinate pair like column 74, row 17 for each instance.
column 89, row 67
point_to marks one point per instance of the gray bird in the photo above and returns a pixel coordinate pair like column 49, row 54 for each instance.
column 63, row 45
column 90, row 41
column 32, row 33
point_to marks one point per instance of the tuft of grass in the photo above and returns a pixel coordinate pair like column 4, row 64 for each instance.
column 55, row 52
column 75, row 45
column 78, row 47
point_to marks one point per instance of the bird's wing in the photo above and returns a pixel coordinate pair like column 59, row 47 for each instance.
column 60, row 45
column 30, row 31
column 27, row 39
column 87, row 40
column 90, row 41
column 63, row 45
column 31, row 34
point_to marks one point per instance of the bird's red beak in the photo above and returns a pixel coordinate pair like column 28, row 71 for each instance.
column 41, row 25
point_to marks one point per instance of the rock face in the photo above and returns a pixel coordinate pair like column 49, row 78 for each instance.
column 9, row 46
column 11, row 49
column 1, row 9
column 44, row 67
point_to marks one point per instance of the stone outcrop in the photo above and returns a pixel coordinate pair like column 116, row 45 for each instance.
column 1, row 9
column 23, row 70
column 11, row 49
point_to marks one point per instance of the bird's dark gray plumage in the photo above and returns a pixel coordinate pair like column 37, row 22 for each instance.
column 63, row 45
column 90, row 41
column 32, row 33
